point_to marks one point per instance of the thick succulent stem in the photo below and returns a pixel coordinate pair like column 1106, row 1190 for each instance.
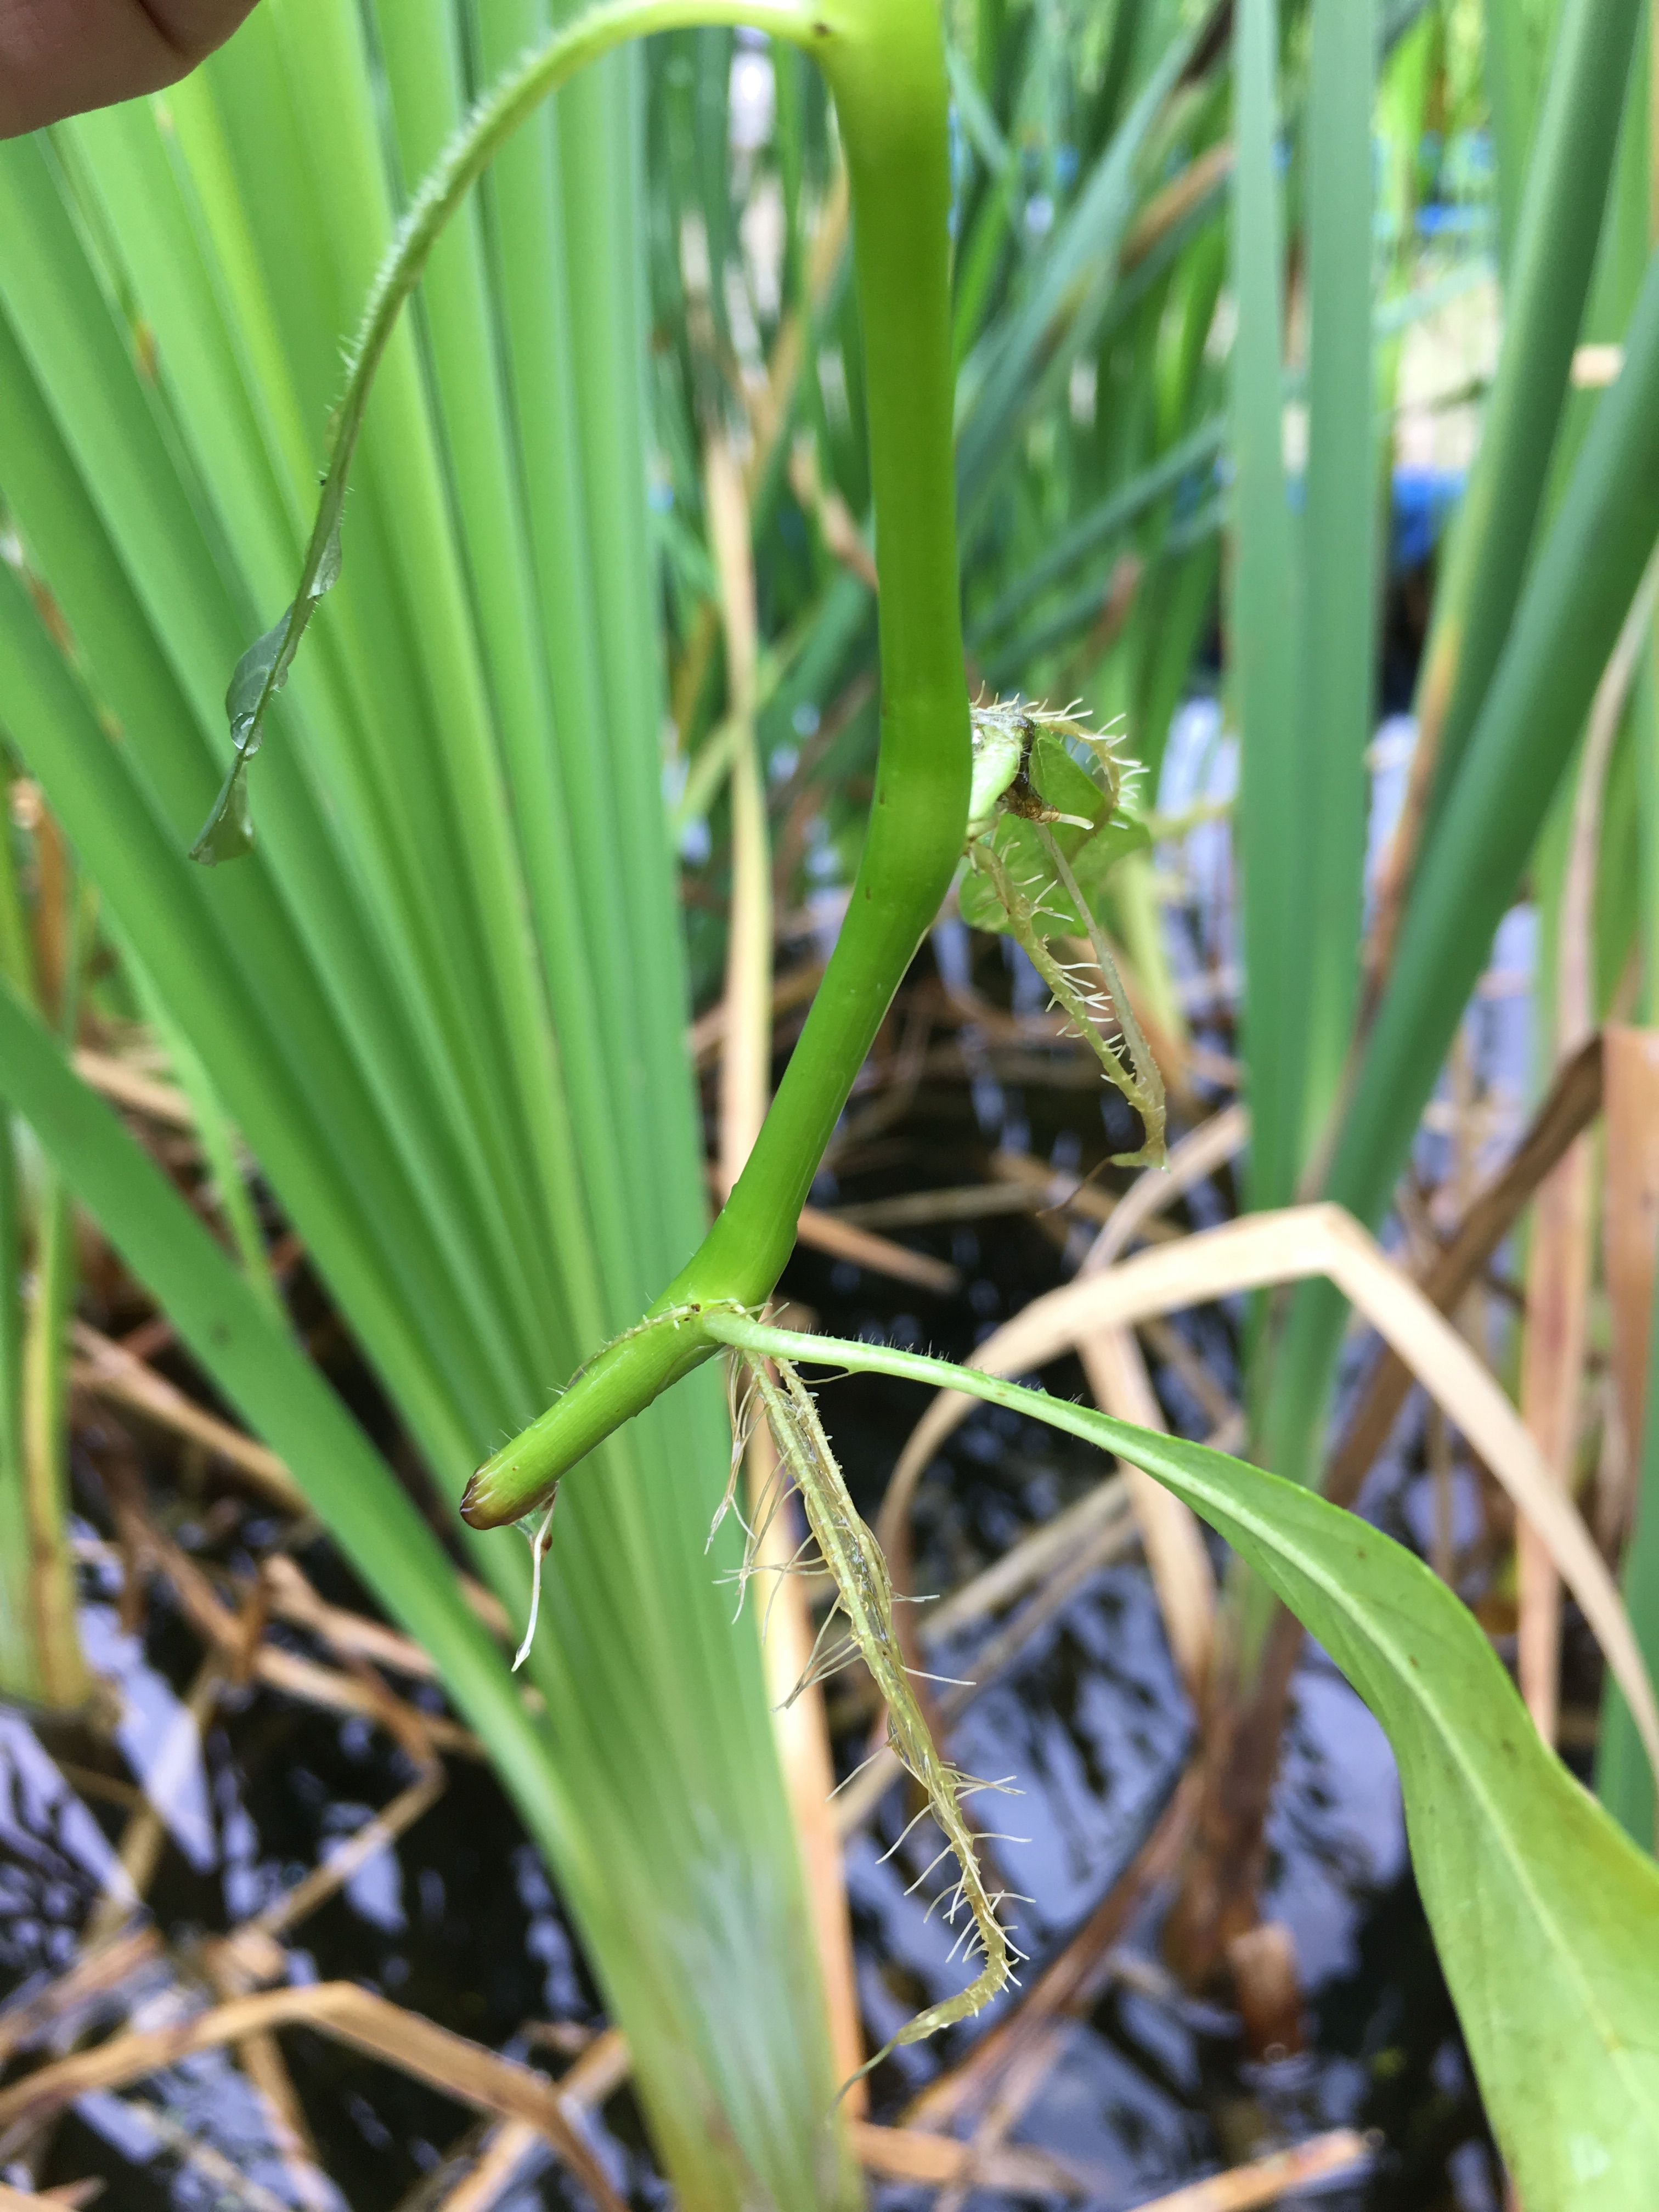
column 885, row 60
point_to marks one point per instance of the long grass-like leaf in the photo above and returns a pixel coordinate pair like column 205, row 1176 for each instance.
column 1265, row 630
column 1565, row 629
column 1339, row 542
column 1059, row 312
column 1561, row 218
column 443, row 1000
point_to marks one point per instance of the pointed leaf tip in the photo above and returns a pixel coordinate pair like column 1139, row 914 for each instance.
column 228, row 834
column 259, row 676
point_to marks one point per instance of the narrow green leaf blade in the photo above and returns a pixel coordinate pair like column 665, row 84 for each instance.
column 1339, row 541
column 1059, row 314
column 1565, row 629
column 1265, row 626
column 1554, row 259
column 225, row 1323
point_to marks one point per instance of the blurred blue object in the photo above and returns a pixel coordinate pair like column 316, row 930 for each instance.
column 1423, row 499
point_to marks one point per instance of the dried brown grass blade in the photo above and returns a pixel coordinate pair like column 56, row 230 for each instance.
column 1558, row 1263
column 1108, row 1540
column 1022, row 2081
column 352, row 1635
column 1176, row 200
column 105, row 1369
column 23, row 2200
column 1553, row 1348
column 770, row 410
column 123, row 1085
column 1175, row 1554
column 864, row 1249
column 968, row 1201
column 745, row 1063
column 229, row 2186
column 376, row 1835
column 1176, row 1547
column 260, row 2057
column 1032, row 1560
column 449, row 2062
column 707, row 1037
column 144, row 1837
column 1257, row 1252
column 100, row 1971
column 598, row 2073
column 296, row 1676
column 1265, row 2180
column 362, row 1691
column 842, row 538
column 601, row 2068
column 509, row 2145
column 1631, row 1218
column 936, row 2161
column 1192, row 1160
column 1042, row 1186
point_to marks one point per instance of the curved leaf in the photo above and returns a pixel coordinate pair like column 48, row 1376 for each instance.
column 1546, row 1916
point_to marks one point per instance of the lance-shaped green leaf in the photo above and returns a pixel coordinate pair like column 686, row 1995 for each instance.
column 1545, row 1914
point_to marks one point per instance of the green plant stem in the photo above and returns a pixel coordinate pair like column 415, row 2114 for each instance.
column 889, row 82
column 744, row 1334
column 885, row 65
column 864, row 1605
column 884, row 62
